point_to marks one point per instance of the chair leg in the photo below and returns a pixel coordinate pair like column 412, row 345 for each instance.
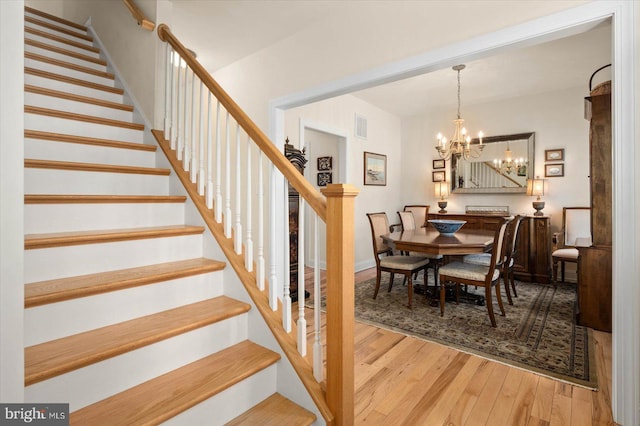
column 442, row 294
column 512, row 278
column 487, row 292
column 410, row 289
column 390, row 282
column 505, row 279
column 555, row 272
column 562, row 270
column 378, row 276
column 499, row 297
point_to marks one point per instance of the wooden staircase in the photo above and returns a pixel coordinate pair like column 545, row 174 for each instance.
column 126, row 317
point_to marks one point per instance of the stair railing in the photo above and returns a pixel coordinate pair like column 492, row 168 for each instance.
column 228, row 165
column 139, row 16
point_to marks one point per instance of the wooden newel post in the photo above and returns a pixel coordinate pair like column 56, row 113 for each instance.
column 340, row 301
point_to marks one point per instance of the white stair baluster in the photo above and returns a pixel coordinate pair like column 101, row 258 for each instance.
column 195, row 114
column 286, row 298
column 201, row 176
column 209, row 186
column 302, row 322
column 273, row 277
column 317, row 294
column 248, row 244
column 237, row 241
column 227, row 181
column 260, row 274
column 167, row 93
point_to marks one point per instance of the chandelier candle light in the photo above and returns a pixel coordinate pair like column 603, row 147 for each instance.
column 508, row 165
column 460, row 144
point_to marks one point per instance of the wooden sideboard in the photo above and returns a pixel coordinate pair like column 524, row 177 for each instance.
column 533, row 262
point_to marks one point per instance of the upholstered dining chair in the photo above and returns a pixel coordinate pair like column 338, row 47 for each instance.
column 420, row 214
column 510, row 253
column 477, row 275
column 407, row 221
column 386, row 261
column 576, row 232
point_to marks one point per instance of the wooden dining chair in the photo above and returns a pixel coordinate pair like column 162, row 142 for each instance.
column 576, row 231
column 477, row 275
column 510, row 253
column 420, row 213
column 387, row 261
column 407, row 221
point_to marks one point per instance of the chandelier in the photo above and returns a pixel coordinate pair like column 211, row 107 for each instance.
column 460, row 145
column 508, row 164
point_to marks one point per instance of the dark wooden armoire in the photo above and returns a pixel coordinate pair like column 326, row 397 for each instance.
column 594, row 262
column 297, row 158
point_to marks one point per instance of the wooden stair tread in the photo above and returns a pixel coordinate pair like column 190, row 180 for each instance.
column 77, row 98
column 275, row 411
column 63, row 40
column 54, row 18
column 93, row 167
column 164, row 397
column 69, row 65
column 60, row 137
column 53, row 291
column 58, row 239
column 66, row 52
column 71, row 80
column 50, row 359
column 101, row 199
column 54, row 27
column 30, row 109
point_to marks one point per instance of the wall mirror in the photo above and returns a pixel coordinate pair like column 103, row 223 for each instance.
column 504, row 166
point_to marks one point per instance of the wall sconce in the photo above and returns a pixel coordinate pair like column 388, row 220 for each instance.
column 442, row 192
column 535, row 187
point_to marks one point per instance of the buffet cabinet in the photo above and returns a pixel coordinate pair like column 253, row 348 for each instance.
column 533, row 260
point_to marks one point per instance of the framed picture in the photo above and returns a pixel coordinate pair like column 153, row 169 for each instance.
column 438, row 176
column 554, row 170
column 554, row 155
column 324, row 163
column 438, row 164
column 325, row 178
column 375, row 169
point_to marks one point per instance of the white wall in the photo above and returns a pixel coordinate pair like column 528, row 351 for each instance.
column 558, row 122
column 383, row 137
column 11, row 201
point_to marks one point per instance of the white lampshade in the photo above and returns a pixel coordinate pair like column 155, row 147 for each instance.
column 535, row 187
column 442, row 190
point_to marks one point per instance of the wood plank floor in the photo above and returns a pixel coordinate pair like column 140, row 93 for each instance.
column 402, row 380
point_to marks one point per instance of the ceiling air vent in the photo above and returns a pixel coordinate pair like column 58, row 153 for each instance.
column 361, row 127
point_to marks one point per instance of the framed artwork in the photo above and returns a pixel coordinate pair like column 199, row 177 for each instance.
column 438, row 176
column 554, row 170
column 438, row 164
column 324, row 163
column 325, row 178
column 375, row 169
column 554, row 155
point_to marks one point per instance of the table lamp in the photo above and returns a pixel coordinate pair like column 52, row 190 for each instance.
column 442, row 191
column 535, row 187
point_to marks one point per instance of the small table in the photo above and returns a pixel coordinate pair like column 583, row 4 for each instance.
column 428, row 240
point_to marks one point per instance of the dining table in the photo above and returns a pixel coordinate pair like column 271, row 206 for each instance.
column 428, row 240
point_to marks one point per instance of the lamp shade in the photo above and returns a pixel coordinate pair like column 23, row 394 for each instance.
column 535, row 187
column 442, row 190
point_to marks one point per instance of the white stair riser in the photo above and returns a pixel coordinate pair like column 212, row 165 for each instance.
column 60, row 262
column 230, row 403
column 45, row 66
column 44, row 218
column 58, row 33
column 61, row 45
column 44, row 51
column 83, row 153
column 52, row 22
column 46, row 181
column 79, row 315
column 62, row 86
column 77, row 107
column 80, row 128
column 98, row 381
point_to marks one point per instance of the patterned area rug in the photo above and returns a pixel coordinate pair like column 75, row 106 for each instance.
column 538, row 333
